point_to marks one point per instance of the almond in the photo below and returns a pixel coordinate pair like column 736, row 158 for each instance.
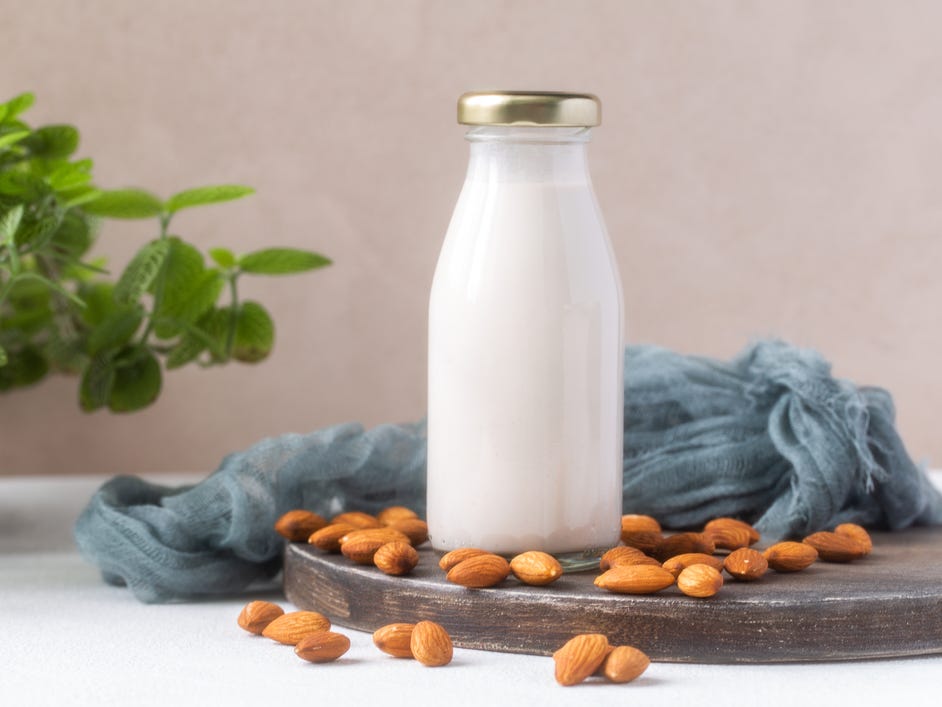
column 683, row 543
column 298, row 525
column 397, row 558
column 415, row 529
column 450, row 559
column 360, row 545
column 729, row 537
column 644, row 540
column 852, row 530
column 328, row 538
column 295, row 625
column 635, row 579
column 623, row 555
column 700, row 581
column 431, row 644
column 358, row 519
column 256, row 615
column 745, row 564
column 678, row 563
column 535, row 567
column 790, row 556
column 624, row 664
column 832, row 547
column 633, row 523
column 322, row 647
column 479, row 571
column 395, row 640
column 717, row 523
column 580, row 657
column 394, row 513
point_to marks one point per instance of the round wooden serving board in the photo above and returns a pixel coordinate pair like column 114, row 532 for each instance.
column 888, row 604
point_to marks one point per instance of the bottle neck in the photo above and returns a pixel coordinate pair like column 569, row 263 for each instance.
column 528, row 154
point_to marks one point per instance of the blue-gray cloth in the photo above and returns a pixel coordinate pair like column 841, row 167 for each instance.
column 770, row 437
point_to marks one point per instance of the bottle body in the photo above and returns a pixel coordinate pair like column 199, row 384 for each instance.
column 525, row 354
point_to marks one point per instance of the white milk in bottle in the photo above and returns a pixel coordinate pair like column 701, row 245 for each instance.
column 526, row 341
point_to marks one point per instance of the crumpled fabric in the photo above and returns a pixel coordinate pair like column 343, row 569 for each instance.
column 770, row 437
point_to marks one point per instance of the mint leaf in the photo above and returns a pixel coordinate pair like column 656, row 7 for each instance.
column 97, row 382
column 187, row 305
column 9, row 222
column 223, row 257
column 125, row 203
column 115, row 330
column 24, row 367
column 137, row 382
column 141, row 271
column 206, row 195
column 52, row 142
column 12, row 138
column 3, row 357
column 281, row 261
column 15, row 106
column 254, row 335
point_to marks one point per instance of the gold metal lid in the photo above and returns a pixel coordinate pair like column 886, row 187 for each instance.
column 542, row 108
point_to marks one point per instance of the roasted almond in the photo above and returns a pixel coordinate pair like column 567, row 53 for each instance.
column 683, row 543
column 394, row 513
column 395, row 640
column 580, row 657
column 832, row 547
column 624, row 664
column 635, row 579
column 644, row 540
column 256, row 615
column 360, row 545
column 328, row 538
column 535, row 567
column 298, row 525
column 322, row 647
column 745, row 564
column 633, row 523
column 857, row 532
column 623, row 555
column 397, row 558
column 718, row 523
column 431, row 644
column 292, row 627
column 677, row 563
column 479, row 571
column 729, row 537
column 790, row 556
column 415, row 529
column 450, row 559
column 700, row 581
column 358, row 519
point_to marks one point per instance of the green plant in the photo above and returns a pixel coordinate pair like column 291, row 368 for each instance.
column 60, row 313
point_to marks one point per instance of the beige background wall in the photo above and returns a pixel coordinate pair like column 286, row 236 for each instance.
column 766, row 168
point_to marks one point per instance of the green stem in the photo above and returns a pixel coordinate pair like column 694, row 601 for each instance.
column 233, row 314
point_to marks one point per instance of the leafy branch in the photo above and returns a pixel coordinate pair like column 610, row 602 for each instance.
column 58, row 313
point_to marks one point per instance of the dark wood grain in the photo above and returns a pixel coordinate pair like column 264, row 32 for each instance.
column 888, row 604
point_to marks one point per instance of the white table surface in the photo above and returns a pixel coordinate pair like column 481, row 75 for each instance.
column 66, row 638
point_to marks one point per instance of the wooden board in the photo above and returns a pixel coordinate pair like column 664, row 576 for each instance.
column 888, row 604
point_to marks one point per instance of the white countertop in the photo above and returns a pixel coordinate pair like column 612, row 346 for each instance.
column 69, row 639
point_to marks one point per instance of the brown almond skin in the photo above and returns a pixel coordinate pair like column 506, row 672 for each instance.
column 394, row 513
column 430, row 644
column 645, row 540
column 480, row 571
column 580, row 657
column 622, row 555
column 675, row 565
column 358, row 519
column 256, row 615
column 415, row 529
column 397, row 558
column 635, row 579
column 857, row 532
column 297, row 525
column 633, row 523
column 733, row 523
column 322, row 647
column 700, row 581
column 536, row 568
column 729, row 537
column 790, row 556
column 833, row 547
column 328, row 539
column 683, row 543
column 745, row 564
column 395, row 640
column 361, row 545
column 450, row 559
column 295, row 625
column 624, row 664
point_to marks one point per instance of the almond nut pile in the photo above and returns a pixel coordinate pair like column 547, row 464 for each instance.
column 590, row 654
